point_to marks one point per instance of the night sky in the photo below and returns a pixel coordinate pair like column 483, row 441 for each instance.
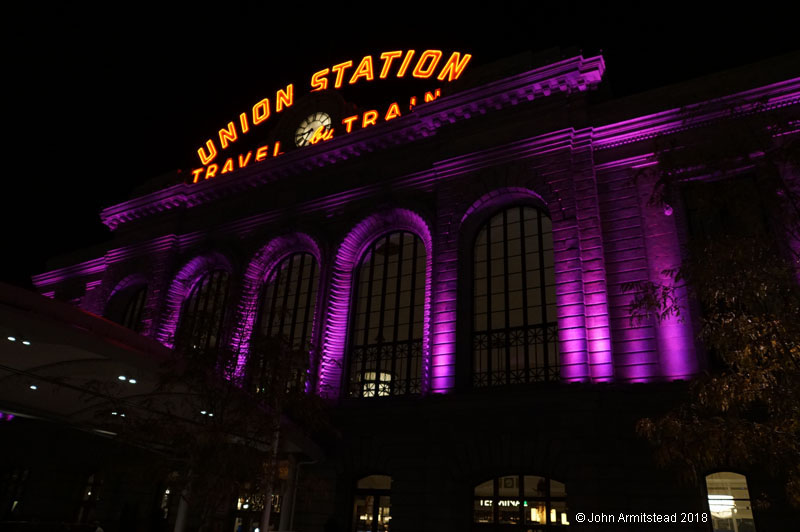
column 101, row 102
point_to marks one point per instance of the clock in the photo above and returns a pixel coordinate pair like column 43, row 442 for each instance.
column 309, row 126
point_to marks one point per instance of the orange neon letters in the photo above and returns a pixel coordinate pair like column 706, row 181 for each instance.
column 284, row 98
column 211, row 171
column 430, row 97
column 454, row 67
column 423, row 72
column 404, row 65
column 227, row 167
column 388, row 57
column 364, row 70
column 212, row 152
column 339, row 69
column 260, row 111
column 370, row 119
column 261, row 153
column 277, row 151
column 243, row 163
column 196, row 174
column 243, row 122
column 393, row 111
column 227, row 134
column 318, row 81
column 348, row 122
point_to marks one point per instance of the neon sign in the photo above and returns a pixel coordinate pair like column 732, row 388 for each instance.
column 393, row 64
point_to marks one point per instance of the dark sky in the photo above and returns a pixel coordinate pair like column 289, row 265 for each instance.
column 102, row 101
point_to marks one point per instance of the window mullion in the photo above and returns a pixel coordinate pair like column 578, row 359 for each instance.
column 524, row 267
column 296, row 305
column 507, row 329
column 543, row 293
column 411, row 316
column 396, row 327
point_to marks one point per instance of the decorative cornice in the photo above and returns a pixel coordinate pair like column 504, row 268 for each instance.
column 574, row 74
column 89, row 267
column 759, row 100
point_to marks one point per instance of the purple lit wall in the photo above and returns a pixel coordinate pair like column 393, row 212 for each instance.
column 255, row 275
column 604, row 233
column 338, row 316
column 181, row 287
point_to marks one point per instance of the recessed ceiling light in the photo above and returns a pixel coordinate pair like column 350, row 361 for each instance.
column 26, row 342
column 12, row 339
column 132, row 381
column 33, row 387
column 122, row 377
column 211, row 414
column 203, row 412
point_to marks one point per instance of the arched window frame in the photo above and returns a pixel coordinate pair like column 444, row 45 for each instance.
column 219, row 297
column 260, row 371
column 181, row 287
column 255, row 276
column 718, row 506
column 473, row 223
column 127, row 302
column 376, row 380
column 335, row 336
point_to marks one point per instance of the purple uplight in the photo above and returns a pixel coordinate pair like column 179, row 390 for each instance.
column 181, row 287
column 347, row 258
column 255, row 275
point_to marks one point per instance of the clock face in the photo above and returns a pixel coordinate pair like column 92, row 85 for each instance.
column 309, row 126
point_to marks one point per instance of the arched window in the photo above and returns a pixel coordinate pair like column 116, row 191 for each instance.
column 127, row 307
column 729, row 502
column 527, row 501
column 515, row 333
column 286, row 309
column 203, row 313
column 386, row 339
column 372, row 504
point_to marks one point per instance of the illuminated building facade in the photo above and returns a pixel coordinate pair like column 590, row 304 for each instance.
column 462, row 269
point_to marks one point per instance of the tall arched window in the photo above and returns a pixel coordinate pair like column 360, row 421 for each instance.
column 729, row 502
column 386, row 339
column 127, row 307
column 515, row 334
column 527, row 501
column 203, row 313
column 286, row 309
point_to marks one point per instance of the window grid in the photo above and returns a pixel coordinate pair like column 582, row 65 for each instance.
column 386, row 343
column 203, row 313
column 287, row 306
column 515, row 335
column 132, row 318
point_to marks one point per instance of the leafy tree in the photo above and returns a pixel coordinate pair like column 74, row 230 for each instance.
column 741, row 268
column 218, row 426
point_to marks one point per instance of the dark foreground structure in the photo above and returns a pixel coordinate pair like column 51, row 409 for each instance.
column 462, row 268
